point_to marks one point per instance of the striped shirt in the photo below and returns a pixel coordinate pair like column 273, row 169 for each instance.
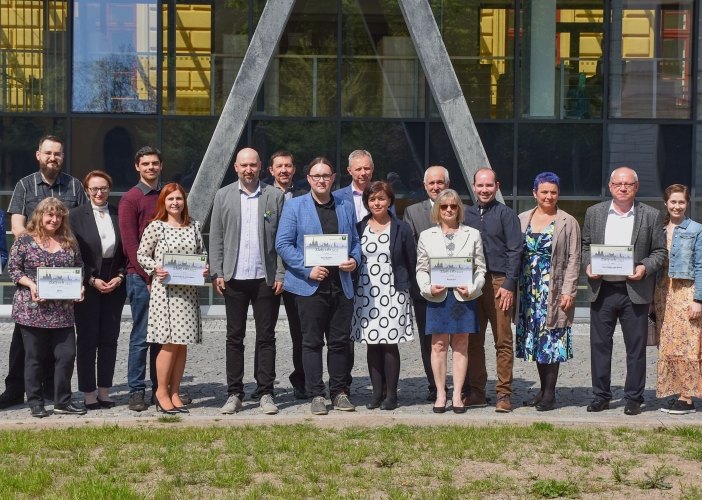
column 31, row 190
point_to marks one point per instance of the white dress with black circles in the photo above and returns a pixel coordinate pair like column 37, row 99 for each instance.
column 381, row 314
column 174, row 310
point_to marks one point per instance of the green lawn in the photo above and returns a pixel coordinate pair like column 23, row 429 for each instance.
column 170, row 460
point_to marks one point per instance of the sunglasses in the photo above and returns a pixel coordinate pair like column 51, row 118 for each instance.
column 452, row 206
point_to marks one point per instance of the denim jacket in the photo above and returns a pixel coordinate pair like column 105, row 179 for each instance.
column 686, row 254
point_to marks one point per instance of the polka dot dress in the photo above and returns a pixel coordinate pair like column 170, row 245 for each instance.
column 381, row 315
column 174, row 310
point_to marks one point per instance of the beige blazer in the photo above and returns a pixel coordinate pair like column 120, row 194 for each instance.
column 565, row 267
column 468, row 244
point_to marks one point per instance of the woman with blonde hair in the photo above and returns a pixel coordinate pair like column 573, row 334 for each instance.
column 45, row 324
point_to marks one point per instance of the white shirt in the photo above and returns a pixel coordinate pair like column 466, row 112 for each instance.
column 618, row 231
column 361, row 211
column 106, row 231
column 248, row 260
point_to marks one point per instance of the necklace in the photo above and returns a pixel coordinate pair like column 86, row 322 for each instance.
column 448, row 243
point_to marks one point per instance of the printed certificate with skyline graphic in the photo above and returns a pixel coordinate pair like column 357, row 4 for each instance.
column 328, row 250
column 59, row 283
column 612, row 260
column 451, row 271
column 184, row 269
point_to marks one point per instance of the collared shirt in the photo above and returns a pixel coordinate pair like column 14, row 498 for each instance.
column 248, row 261
column 330, row 225
column 31, row 190
column 287, row 193
column 618, row 231
column 106, row 230
column 136, row 209
column 361, row 211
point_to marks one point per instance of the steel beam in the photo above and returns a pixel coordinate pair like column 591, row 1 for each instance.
column 445, row 88
column 220, row 152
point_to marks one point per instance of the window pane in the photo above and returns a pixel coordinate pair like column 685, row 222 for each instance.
column 660, row 154
column 571, row 84
column 699, row 67
column 574, row 152
column 184, row 143
column 381, row 74
column 650, row 64
column 110, row 144
column 33, row 56
column 698, row 175
column 19, row 139
column 114, row 56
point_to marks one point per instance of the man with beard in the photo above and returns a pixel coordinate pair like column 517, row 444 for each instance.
column 29, row 191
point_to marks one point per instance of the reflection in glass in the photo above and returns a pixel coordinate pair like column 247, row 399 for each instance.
column 660, row 154
column 184, row 145
column 110, row 144
column 569, row 85
column 114, row 56
column 650, row 63
column 698, row 165
column 33, row 56
column 699, row 67
column 574, row 152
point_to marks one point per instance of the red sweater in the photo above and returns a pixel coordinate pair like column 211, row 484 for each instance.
column 136, row 209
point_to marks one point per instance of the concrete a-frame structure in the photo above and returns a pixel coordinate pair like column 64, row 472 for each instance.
column 437, row 68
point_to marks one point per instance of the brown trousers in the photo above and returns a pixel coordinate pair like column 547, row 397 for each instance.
column 501, row 324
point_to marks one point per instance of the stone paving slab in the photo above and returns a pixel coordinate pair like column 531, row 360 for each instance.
column 205, row 381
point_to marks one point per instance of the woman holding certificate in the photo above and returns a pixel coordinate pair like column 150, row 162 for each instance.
column 382, row 309
column 48, row 249
column 678, row 301
column 548, row 284
column 450, row 256
column 174, row 310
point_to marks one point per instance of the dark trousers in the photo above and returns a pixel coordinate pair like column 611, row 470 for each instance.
column 14, row 382
column 420, row 316
column 297, row 377
column 37, row 342
column 97, row 331
column 326, row 314
column 613, row 303
column 237, row 296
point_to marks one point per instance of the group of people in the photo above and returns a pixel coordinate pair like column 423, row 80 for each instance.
column 525, row 268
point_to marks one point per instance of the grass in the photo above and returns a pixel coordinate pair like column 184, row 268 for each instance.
column 305, row 461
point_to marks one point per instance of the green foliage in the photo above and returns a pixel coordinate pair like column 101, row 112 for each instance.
column 551, row 488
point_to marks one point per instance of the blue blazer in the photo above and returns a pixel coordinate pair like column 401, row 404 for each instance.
column 300, row 218
column 346, row 193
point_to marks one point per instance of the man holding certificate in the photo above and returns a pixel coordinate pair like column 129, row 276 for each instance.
column 623, row 247
column 319, row 244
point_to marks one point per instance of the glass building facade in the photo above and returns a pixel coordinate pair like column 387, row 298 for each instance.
column 578, row 87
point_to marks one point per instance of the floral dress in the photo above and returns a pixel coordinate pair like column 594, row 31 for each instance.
column 534, row 341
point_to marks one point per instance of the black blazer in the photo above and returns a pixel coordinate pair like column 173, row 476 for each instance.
column 85, row 230
column 296, row 191
column 403, row 251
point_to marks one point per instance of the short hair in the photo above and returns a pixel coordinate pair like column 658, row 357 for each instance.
column 447, row 194
column 446, row 173
column 51, row 138
column 146, row 151
column 549, row 177
column 375, row 188
column 358, row 153
column 161, row 213
column 319, row 159
column 282, row 154
column 97, row 173
column 636, row 176
column 475, row 175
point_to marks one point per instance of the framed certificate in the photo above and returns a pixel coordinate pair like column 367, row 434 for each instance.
column 184, row 269
column 613, row 260
column 451, row 271
column 326, row 249
column 59, row 283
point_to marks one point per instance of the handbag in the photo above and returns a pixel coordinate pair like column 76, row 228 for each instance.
column 653, row 336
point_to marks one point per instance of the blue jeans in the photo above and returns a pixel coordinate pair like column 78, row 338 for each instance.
column 139, row 296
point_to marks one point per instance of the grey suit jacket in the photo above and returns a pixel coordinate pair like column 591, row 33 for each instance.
column 647, row 238
column 225, row 228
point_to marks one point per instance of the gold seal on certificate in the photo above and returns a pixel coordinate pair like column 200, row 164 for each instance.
column 613, row 260
column 59, row 283
column 184, row 269
column 451, row 271
column 326, row 249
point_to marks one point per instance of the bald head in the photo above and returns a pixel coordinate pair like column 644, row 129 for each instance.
column 248, row 168
column 624, row 172
column 248, row 155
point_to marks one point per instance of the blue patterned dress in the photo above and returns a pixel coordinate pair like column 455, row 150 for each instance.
column 534, row 341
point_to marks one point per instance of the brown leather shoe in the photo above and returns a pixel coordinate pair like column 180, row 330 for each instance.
column 472, row 400
column 503, row 404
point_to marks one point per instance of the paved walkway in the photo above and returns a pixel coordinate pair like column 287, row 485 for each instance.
column 205, row 381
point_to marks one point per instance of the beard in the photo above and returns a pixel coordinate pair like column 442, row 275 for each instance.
column 50, row 170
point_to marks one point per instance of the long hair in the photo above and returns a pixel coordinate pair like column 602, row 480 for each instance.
column 675, row 188
column 35, row 228
column 161, row 213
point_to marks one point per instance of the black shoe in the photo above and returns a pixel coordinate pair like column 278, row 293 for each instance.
column 374, row 404
column 598, row 404
column 182, row 409
column 172, row 411
column 7, row 400
column 136, row 402
column 439, row 409
column 69, row 409
column 39, row 411
column 92, row 406
column 460, row 409
column 632, row 408
column 300, row 392
column 106, row 404
column 681, row 408
column 388, row 405
column 186, row 400
column 534, row 401
column 541, row 406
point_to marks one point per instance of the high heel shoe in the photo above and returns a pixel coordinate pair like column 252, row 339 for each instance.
column 439, row 409
column 545, row 407
column 106, row 404
column 172, row 411
column 460, row 409
column 374, row 404
column 182, row 409
column 535, row 400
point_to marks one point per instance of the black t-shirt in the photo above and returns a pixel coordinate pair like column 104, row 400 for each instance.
column 330, row 225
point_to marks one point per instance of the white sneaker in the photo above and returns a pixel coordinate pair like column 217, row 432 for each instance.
column 267, row 405
column 233, row 405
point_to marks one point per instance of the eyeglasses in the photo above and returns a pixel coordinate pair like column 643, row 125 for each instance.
column 49, row 154
column 452, row 206
column 622, row 185
column 100, row 189
column 317, row 178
